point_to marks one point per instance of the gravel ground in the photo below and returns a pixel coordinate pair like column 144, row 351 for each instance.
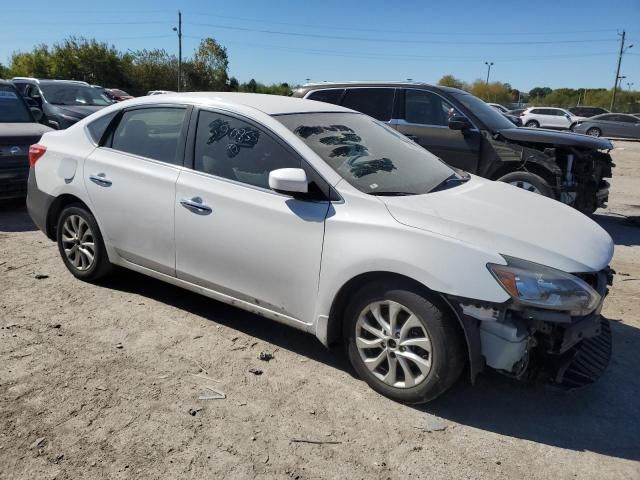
column 105, row 382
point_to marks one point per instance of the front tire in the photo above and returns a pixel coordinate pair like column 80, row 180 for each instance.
column 80, row 244
column 532, row 124
column 528, row 181
column 403, row 342
column 594, row 132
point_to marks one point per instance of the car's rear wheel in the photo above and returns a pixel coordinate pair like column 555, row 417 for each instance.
column 532, row 124
column 528, row 181
column 403, row 342
column 80, row 244
column 594, row 132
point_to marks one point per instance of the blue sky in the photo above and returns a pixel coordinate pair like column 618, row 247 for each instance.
column 557, row 43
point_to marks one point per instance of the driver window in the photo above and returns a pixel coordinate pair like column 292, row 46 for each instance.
column 426, row 108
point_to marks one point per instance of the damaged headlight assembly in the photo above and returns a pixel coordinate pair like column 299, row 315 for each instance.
column 532, row 285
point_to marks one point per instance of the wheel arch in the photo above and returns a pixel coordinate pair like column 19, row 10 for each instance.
column 468, row 328
column 56, row 208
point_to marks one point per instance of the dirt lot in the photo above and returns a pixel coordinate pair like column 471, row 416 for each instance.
column 104, row 382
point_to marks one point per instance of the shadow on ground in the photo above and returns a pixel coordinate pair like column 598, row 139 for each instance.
column 623, row 230
column 14, row 217
column 603, row 418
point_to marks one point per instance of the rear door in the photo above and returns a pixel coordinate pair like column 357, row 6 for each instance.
column 243, row 240
column 131, row 183
column 424, row 117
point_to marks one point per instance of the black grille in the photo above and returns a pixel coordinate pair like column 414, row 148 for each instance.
column 588, row 362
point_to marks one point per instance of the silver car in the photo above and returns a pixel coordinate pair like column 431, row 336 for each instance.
column 618, row 125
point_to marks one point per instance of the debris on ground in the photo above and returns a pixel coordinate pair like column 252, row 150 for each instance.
column 431, row 424
column 217, row 394
column 265, row 356
column 39, row 443
column 119, row 345
column 41, row 276
column 193, row 411
column 316, row 442
column 255, row 371
column 56, row 325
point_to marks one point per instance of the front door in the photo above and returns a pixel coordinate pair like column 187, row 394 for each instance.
column 236, row 236
column 131, row 183
column 426, row 121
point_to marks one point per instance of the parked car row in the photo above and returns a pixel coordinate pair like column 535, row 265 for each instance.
column 470, row 135
column 420, row 269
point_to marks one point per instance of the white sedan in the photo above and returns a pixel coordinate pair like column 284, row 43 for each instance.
column 329, row 221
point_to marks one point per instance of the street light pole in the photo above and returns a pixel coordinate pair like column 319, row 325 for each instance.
column 179, row 30
column 488, row 64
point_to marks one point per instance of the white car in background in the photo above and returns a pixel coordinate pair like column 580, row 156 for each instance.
column 329, row 221
column 500, row 108
column 549, row 117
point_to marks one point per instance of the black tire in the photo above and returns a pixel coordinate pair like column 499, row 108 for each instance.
column 594, row 132
column 532, row 124
column 100, row 267
column 530, row 182
column 448, row 353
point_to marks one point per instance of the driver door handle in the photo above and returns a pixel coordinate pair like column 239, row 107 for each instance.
column 100, row 179
column 195, row 205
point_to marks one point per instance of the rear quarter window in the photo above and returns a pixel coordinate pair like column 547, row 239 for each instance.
column 98, row 127
column 375, row 102
column 327, row 96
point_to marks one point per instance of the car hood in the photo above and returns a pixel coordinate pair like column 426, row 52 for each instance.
column 504, row 219
column 79, row 111
column 541, row 135
column 15, row 131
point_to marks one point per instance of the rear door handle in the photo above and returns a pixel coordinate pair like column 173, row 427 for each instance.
column 100, row 179
column 195, row 205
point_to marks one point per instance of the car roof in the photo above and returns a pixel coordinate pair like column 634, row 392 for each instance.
column 269, row 104
column 377, row 83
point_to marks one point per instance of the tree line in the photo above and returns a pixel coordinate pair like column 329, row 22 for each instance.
column 136, row 71
column 504, row 94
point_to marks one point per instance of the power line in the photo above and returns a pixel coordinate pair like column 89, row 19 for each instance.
column 379, row 30
column 396, row 40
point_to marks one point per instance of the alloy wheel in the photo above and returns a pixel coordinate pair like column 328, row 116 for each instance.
column 78, row 242
column 393, row 344
column 526, row 186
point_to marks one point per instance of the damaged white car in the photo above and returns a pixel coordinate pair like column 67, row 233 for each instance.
column 329, row 221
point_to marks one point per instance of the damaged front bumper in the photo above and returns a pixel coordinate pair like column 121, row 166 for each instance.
column 569, row 352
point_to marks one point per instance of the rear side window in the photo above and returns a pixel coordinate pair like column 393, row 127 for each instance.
column 151, row 132
column 231, row 148
column 12, row 107
column 327, row 96
column 98, row 127
column 375, row 102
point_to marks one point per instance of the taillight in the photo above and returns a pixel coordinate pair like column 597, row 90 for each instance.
column 35, row 152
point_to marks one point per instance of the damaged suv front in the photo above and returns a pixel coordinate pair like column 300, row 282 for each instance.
column 551, row 326
column 575, row 166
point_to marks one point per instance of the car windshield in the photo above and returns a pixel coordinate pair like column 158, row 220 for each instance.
column 368, row 154
column 78, row 95
column 488, row 115
column 12, row 107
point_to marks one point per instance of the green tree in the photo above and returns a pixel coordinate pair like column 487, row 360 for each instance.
column 234, row 85
column 208, row 70
column 451, row 81
column 36, row 63
column 495, row 92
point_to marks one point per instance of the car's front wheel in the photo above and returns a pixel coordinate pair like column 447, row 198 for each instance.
column 528, row 181
column 403, row 342
column 80, row 244
column 594, row 132
column 532, row 124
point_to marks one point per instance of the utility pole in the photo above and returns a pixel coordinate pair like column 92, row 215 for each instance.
column 488, row 64
column 615, row 84
column 179, row 30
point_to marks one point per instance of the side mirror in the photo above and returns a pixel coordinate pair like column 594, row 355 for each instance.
column 458, row 122
column 37, row 113
column 289, row 180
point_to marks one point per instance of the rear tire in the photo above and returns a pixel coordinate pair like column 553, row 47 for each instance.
column 80, row 244
column 532, row 124
column 420, row 346
column 594, row 132
column 528, row 181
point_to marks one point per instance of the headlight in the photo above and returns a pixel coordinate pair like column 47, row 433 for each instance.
column 544, row 287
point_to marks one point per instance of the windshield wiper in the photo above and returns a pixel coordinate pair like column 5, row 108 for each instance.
column 392, row 194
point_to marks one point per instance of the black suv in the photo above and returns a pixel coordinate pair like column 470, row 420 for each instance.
column 18, row 130
column 63, row 102
column 587, row 111
column 469, row 134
